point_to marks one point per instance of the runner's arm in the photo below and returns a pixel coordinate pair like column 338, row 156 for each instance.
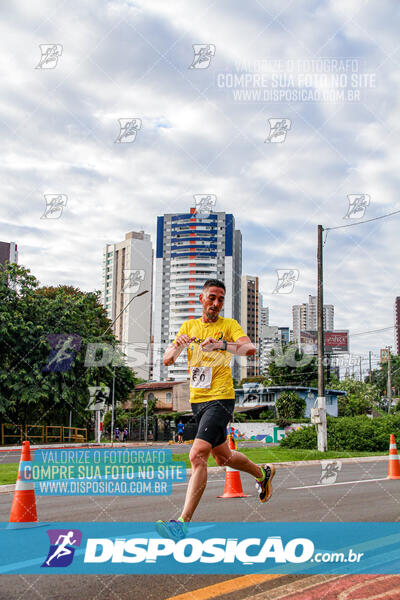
column 176, row 348
column 242, row 347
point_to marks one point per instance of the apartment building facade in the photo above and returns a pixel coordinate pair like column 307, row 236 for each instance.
column 192, row 248
column 127, row 271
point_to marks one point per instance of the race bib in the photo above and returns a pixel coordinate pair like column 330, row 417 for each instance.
column 200, row 377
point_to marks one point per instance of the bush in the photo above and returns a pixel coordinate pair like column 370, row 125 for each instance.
column 349, row 433
column 265, row 415
column 239, row 417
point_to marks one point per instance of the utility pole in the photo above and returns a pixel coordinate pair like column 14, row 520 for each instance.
column 370, row 369
column 360, row 369
column 389, row 380
column 321, row 424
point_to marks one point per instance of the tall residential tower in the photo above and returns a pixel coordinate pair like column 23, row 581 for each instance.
column 191, row 249
column 127, row 271
column 305, row 317
column 8, row 251
column 250, row 321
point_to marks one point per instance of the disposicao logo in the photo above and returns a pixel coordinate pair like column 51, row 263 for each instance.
column 191, row 550
column 62, row 547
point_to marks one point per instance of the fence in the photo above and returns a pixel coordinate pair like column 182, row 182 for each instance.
column 41, row 434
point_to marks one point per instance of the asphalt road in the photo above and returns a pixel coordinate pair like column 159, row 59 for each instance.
column 13, row 456
column 297, row 497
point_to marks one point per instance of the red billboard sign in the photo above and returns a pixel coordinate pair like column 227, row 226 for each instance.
column 335, row 341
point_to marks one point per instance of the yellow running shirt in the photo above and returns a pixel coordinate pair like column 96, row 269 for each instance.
column 210, row 372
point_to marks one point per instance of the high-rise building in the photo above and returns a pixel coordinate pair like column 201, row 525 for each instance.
column 284, row 333
column 191, row 249
column 397, row 323
column 8, row 252
column 127, row 271
column 305, row 317
column 264, row 317
column 250, row 319
column 272, row 338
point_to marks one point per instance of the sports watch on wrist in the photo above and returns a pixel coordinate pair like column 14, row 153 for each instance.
column 224, row 345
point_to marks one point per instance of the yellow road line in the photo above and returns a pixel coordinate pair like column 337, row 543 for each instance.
column 225, row 587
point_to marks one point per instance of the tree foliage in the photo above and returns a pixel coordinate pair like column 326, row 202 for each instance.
column 361, row 397
column 379, row 376
column 290, row 406
column 290, row 366
column 29, row 314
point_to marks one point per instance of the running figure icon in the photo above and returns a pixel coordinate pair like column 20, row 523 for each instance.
column 62, row 549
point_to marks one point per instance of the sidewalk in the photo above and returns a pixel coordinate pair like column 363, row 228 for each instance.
column 85, row 445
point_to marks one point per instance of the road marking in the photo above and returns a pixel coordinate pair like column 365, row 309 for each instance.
column 321, row 485
column 225, row 587
column 298, row 586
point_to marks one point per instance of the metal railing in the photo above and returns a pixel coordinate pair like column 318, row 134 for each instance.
column 42, row 434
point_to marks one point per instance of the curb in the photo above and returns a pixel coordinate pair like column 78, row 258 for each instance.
column 5, row 489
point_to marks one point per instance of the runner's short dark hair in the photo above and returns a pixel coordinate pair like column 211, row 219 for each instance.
column 214, row 283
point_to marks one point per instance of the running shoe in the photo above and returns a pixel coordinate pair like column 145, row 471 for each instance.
column 264, row 487
column 174, row 530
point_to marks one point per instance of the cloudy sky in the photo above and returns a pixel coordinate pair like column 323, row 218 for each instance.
column 200, row 133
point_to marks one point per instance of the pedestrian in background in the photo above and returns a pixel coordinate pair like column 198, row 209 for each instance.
column 181, row 427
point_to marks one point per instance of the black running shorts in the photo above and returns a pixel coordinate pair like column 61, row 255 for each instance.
column 212, row 418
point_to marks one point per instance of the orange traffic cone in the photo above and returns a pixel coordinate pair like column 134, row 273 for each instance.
column 233, row 485
column 394, row 464
column 23, row 509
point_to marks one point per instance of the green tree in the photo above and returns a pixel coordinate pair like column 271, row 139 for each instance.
column 290, row 406
column 29, row 314
column 291, row 366
column 379, row 376
column 360, row 398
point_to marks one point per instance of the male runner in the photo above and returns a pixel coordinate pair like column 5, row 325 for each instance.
column 210, row 342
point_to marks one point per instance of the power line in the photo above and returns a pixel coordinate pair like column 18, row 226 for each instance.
column 371, row 331
column 396, row 212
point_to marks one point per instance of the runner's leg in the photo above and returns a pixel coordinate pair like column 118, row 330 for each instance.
column 225, row 457
column 198, row 457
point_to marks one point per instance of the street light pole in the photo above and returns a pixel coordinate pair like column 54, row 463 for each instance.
column 321, row 424
column 112, row 407
column 113, row 386
column 146, row 404
column 124, row 309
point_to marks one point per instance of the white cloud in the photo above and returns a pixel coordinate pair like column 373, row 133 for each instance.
column 130, row 59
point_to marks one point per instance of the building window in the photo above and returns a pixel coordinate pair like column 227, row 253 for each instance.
column 168, row 396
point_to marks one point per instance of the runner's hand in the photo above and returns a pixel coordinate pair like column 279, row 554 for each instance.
column 183, row 340
column 210, row 344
